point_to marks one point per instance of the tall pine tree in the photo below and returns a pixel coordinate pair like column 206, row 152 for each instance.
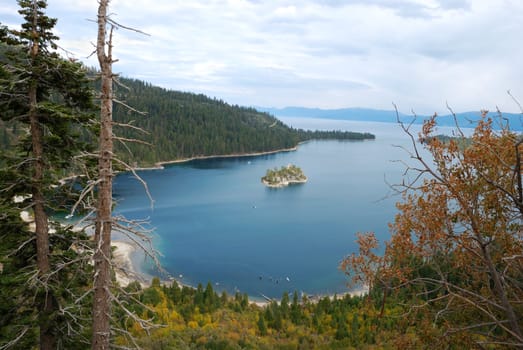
column 51, row 98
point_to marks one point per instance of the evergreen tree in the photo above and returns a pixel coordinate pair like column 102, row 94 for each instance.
column 284, row 305
column 355, row 328
column 51, row 98
column 342, row 330
column 16, row 307
column 295, row 309
column 262, row 327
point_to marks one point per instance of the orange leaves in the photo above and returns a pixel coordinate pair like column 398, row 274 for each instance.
column 462, row 226
column 367, row 243
column 456, row 248
column 472, row 187
column 428, row 128
column 363, row 267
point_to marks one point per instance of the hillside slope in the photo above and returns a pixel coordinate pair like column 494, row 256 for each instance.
column 181, row 125
column 184, row 125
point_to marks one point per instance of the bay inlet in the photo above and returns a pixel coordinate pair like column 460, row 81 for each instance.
column 216, row 222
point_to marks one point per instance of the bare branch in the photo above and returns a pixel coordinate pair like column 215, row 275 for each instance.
column 87, row 190
column 131, row 126
column 124, row 140
column 129, row 107
column 119, row 83
column 515, row 101
column 16, row 340
column 113, row 22
column 456, row 123
column 139, row 178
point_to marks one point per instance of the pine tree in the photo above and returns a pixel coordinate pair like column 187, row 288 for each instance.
column 51, row 98
column 14, row 269
column 284, row 305
column 295, row 312
column 262, row 327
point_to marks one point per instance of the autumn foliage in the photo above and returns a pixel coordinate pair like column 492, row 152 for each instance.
column 188, row 318
column 455, row 256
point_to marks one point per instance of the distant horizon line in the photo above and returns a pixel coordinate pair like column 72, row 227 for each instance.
column 376, row 109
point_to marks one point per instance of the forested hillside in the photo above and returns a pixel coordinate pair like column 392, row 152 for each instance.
column 183, row 125
column 179, row 125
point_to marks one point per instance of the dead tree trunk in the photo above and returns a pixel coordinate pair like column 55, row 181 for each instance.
column 103, row 227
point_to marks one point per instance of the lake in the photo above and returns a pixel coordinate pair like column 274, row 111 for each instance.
column 215, row 221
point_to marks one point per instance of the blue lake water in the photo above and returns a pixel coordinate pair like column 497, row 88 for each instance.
column 215, row 221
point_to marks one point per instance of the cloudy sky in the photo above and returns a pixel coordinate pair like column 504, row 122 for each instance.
column 419, row 54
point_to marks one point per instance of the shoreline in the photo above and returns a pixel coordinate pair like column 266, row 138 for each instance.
column 126, row 272
column 161, row 165
column 285, row 183
column 124, row 268
column 127, row 269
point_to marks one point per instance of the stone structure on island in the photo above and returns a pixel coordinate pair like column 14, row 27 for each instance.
column 286, row 175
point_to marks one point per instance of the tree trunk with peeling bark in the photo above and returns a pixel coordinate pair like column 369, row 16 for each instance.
column 102, row 256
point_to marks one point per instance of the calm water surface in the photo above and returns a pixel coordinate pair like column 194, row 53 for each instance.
column 215, row 221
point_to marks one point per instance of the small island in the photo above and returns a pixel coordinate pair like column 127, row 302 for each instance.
column 284, row 176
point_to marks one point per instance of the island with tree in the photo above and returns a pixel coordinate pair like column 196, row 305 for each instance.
column 286, row 175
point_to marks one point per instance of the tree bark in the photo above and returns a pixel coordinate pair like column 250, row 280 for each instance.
column 103, row 227
column 46, row 307
column 501, row 292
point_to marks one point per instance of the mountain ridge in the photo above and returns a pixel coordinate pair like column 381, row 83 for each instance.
column 464, row 119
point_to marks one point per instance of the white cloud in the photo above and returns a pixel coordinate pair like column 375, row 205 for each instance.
column 285, row 12
column 327, row 53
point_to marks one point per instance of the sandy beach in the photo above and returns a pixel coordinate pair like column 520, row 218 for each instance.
column 123, row 265
column 124, row 268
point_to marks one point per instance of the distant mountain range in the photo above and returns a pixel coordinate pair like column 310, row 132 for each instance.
column 465, row 119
